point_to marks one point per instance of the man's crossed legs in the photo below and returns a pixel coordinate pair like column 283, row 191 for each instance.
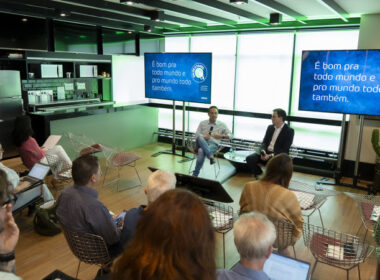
column 205, row 148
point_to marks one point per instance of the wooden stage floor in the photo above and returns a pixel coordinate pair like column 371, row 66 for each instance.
column 37, row 255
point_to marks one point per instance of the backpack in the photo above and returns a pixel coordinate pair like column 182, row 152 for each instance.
column 45, row 221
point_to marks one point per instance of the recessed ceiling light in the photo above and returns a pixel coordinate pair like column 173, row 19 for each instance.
column 238, row 2
column 130, row 3
column 24, row 19
column 147, row 28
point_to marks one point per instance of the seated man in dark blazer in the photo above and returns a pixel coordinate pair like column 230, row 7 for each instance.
column 278, row 139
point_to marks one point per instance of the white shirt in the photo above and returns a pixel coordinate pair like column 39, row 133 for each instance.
column 274, row 137
column 218, row 127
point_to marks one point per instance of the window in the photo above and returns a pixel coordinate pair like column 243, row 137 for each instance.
column 263, row 71
column 223, row 48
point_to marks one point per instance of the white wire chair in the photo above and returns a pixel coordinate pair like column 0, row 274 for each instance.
column 285, row 233
column 193, row 149
column 366, row 204
column 337, row 249
column 82, row 144
column 119, row 159
column 320, row 197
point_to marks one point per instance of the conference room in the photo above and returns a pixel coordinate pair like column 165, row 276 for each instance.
column 131, row 82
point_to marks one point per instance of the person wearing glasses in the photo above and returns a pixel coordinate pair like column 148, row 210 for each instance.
column 9, row 231
column 14, row 180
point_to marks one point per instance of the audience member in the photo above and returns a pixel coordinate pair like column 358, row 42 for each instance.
column 14, row 181
column 29, row 150
column 271, row 196
column 278, row 139
column 174, row 240
column 9, row 231
column 80, row 210
column 254, row 235
column 159, row 182
column 208, row 136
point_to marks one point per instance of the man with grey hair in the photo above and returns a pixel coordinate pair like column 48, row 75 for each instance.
column 254, row 235
column 158, row 182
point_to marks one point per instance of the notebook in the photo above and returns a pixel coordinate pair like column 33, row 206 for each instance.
column 279, row 267
column 51, row 141
column 37, row 173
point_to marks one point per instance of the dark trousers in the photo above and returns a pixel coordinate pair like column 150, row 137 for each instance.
column 252, row 161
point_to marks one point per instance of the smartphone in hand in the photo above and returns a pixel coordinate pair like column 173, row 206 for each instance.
column 119, row 220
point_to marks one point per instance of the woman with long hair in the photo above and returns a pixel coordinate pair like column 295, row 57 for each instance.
column 174, row 240
column 30, row 151
column 270, row 195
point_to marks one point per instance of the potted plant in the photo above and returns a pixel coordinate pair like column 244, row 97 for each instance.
column 376, row 147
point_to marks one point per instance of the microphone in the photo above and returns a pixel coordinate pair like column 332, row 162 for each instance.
column 211, row 128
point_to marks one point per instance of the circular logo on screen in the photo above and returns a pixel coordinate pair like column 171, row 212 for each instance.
column 199, row 72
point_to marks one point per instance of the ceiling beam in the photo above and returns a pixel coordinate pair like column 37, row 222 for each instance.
column 82, row 10
column 112, row 6
column 198, row 24
column 183, row 10
column 335, row 8
column 271, row 4
column 233, row 10
column 34, row 11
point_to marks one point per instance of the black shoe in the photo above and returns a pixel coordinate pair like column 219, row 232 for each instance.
column 212, row 161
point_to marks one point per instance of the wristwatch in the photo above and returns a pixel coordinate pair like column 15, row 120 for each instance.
column 7, row 257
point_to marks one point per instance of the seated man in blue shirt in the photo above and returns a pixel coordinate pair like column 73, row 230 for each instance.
column 158, row 182
column 208, row 136
column 254, row 235
column 80, row 210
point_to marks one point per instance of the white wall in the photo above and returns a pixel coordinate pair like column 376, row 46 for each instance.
column 369, row 38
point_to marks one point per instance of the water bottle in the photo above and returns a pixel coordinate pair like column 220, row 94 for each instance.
column 318, row 186
column 232, row 151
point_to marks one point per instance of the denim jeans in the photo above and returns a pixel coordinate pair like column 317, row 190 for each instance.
column 206, row 148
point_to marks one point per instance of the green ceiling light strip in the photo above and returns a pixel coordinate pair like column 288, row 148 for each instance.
column 285, row 25
column 335, row 8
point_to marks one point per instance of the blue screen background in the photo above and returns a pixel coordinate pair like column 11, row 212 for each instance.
column 194, row 89
column 356, row 101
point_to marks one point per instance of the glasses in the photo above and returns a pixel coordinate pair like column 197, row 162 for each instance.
column 11, row 200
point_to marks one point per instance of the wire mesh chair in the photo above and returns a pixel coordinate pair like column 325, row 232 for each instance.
column 83, row 145
column 191, row 146
column 320, row 197
column 284, row 230
column 337, row 249
column 61, row 170
column 366, row 204
column 222, row 218
column 88, row 248
column 117, row 159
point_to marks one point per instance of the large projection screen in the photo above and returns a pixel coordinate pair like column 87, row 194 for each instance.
column 178, row 76
column 341, row 81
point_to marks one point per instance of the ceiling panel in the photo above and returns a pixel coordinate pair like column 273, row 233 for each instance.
column 202, row 15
